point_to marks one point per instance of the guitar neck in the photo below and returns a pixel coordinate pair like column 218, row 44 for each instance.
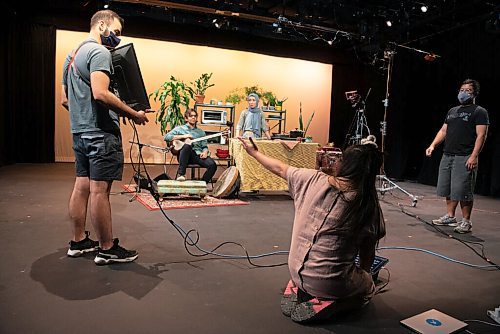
column 207, row 137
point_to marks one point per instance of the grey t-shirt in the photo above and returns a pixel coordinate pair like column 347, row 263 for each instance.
column 86, row 114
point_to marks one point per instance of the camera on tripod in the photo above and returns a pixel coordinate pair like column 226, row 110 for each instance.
column 354, row 98
column 359, row 126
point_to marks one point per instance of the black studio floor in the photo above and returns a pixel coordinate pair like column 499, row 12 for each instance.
column 169, row 291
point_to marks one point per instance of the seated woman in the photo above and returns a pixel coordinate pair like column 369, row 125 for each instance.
column 252, row 120
column 336, row 218
column 192, row 153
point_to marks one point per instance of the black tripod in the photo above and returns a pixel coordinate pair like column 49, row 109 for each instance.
column 359, row 126
column 384, row 184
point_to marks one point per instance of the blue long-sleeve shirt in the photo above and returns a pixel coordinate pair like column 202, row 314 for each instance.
column 199, row 146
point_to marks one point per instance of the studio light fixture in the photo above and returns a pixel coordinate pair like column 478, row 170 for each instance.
column 217, row 23
column 388, row 23
column 277, row 27
column 424, row 8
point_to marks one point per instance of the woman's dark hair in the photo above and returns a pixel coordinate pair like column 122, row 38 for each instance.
column 360, row 166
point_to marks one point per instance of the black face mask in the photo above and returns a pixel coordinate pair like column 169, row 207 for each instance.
column 110, row 41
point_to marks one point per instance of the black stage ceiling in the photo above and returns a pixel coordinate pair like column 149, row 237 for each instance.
column 341, row 24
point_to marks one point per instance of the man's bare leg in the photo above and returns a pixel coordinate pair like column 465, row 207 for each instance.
column 451, row 207
column 466, row 207
column 78, row 207
column 100, row 212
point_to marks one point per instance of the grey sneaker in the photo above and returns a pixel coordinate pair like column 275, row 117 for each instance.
column 464, row 227
column 445, row 221
column 181, row 178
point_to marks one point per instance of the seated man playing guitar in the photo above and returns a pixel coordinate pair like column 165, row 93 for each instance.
column 193, row 151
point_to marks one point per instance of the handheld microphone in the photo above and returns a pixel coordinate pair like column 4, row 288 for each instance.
column 253, row 143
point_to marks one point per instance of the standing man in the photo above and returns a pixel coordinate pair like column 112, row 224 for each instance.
column 192, row 153
column 94, row 116
column 464, row 132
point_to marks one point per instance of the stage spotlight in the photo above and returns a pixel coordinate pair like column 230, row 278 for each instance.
column 277, row 27
column 424, row 8
column 330, row 42
column 106, row 4
column 388, row 23
column 217, row 23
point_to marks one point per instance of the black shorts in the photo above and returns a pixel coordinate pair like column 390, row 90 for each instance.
column 98, row 155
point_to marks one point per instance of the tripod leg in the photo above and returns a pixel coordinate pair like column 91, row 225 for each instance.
column 388, row 185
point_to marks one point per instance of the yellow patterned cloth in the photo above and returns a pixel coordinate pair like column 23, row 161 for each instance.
column 255, row 177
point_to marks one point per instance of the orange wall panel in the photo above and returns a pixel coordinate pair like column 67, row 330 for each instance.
column 299, row 80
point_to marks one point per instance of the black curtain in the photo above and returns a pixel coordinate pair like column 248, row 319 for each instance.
column 370, row 84
column 28, row 75
column 420, row 94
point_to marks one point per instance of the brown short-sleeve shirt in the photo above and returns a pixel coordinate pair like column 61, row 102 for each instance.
column 321, row 260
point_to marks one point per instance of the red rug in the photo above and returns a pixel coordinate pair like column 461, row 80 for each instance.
column 180, row 201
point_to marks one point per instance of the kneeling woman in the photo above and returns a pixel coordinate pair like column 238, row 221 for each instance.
column 336, row 218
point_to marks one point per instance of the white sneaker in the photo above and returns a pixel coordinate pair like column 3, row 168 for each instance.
column 445, row 221
column 181, row 178
column 465, row 226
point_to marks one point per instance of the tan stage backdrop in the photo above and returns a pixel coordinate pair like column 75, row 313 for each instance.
column 299, row 80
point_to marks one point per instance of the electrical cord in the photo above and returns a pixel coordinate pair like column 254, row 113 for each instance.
column 482, row 254
column 381, row 288
column 483, row 322
column 439, row 255
column 188, row 241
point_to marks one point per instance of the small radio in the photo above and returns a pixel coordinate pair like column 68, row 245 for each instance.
column 213, row 116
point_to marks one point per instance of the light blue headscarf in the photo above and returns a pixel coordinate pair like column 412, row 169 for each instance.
column 255, row 115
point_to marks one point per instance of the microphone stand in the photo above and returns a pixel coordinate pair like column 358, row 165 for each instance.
column 138, row 175
column 384, row 184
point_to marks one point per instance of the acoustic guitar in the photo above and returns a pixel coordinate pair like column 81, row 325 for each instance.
column 177, row 144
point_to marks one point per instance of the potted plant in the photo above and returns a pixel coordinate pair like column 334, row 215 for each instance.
column 200, row 86
column 279, row 103
column 253, row 89
column 174, row 97
column 269, row 99
column 235, row 96
column 301, row 123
